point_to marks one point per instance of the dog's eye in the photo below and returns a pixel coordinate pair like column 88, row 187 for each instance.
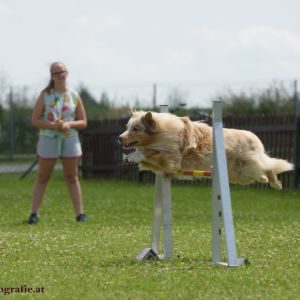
column 135, row 129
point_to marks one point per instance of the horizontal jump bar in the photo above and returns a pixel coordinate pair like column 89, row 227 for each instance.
column 196, row 173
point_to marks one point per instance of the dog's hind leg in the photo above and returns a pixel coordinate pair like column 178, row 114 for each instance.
column 274, row 182
column 263, row 179
column 190, row 150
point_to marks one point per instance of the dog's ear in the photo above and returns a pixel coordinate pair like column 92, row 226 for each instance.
column 185, row 120
column 149, row 122
column 130, row 111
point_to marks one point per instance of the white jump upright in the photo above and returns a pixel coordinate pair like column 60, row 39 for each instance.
column 221, row 201
column 162, row 201
column 221, row 204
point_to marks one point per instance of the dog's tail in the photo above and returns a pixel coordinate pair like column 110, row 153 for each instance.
column 275, row 164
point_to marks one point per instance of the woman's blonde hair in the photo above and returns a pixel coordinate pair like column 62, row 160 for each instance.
column 50, row 85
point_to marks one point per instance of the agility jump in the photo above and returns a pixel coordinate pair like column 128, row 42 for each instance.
column 221, row 203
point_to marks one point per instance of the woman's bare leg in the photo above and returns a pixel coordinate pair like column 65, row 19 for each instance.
column 70, row 166
column 45, row 169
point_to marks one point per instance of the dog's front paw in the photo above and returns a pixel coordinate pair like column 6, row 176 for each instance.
column 127, row 160
column 133, row 157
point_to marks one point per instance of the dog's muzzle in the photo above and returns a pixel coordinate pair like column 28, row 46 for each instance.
column 126, row 145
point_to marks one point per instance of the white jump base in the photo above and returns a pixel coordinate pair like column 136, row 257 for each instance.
column 221, row 203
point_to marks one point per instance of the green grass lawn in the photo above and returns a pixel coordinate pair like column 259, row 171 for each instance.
column 96, row 260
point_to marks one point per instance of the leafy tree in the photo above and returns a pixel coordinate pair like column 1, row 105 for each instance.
column 90, row 103
column 25, row 135
column 276, row 99
column 104, row 101
column 104, row 105
column 95, row 109
column 237, row 104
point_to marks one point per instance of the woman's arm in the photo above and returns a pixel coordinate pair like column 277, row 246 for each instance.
column 36, row 120
column 81, row 119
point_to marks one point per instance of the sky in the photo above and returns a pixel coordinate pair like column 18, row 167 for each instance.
column 199, row 48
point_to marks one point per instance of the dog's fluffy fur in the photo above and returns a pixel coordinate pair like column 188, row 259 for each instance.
column 165, row 143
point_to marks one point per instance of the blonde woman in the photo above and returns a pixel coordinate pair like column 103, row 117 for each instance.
column 58, row 113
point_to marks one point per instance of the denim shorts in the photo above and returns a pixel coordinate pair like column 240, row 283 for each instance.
column 54, row 147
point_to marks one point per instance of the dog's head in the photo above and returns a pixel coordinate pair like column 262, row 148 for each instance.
column 141, row 130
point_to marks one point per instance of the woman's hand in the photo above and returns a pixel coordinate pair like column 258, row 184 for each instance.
column 63, row 126
column 66, row 126
column 59, row 125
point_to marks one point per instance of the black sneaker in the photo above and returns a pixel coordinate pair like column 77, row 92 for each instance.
column 81, row 218
column 33, row 218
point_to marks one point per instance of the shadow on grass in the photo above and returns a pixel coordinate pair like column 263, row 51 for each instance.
column 178, row 263
column 15, row 224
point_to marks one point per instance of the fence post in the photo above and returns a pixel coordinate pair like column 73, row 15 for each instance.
column 296, row 148
column 11, row 125
column 154, row 96
column 296, row 153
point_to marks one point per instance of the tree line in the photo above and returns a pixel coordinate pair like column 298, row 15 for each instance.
column 17, row 134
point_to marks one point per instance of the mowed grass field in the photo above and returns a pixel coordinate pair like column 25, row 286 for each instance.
column 97, row 260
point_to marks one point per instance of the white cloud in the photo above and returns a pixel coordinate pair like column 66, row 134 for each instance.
column 268, row 41
column 179, row 56
column 95, row 24
column 6, row 9
column 127, row 43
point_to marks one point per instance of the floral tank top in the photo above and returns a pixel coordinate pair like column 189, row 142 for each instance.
column 59, row 106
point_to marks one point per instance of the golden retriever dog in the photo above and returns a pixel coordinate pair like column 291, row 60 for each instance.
column 164, row 142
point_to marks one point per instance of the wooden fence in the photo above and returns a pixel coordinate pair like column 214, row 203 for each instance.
column 103, row 154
